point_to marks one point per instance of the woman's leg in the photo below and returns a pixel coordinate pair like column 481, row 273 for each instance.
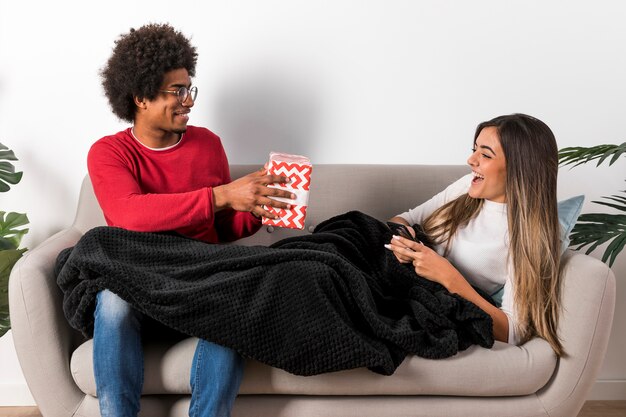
column 117, row 356
column 216, row 373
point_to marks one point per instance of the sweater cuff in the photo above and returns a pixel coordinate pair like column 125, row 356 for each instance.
column 210, row 206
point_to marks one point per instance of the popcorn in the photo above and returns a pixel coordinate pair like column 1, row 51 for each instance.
column 298, row 169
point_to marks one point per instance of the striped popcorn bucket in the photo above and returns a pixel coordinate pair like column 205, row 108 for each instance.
column 298, row 168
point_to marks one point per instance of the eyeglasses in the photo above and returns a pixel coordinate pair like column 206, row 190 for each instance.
column 183, row 93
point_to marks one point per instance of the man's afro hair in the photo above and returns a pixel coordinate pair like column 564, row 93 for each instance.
column 139, row 62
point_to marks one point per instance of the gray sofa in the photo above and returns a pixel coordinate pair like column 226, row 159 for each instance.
column 503, row 381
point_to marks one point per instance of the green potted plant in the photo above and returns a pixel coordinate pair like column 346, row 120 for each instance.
column 11, row 234
column 594, row 229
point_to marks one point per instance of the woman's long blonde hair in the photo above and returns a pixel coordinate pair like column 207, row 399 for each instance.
column 531, row 156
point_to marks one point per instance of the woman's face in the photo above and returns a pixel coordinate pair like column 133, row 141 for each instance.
column 488, row 166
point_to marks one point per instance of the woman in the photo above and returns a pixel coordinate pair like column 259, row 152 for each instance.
column 498, row 229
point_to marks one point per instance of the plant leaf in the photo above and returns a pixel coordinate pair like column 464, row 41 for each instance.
column 614, row 249
column 7, row 155
column 11, row 177
column 6, row 166
column 581, row 155
column 7, row 244
column 7, row 170
column 12, row 220
column 617, row 155
column 8, row 258
column 5, row 325
column 594, row 229
column 10, row 235
column 9, row 225
column 615, row 206
column 617, row 198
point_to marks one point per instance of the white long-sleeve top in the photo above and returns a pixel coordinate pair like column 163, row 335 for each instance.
column 479, row 251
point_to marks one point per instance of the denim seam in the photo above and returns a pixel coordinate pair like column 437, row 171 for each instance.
column 200, row 354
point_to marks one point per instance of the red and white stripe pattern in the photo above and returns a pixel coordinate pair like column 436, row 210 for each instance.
column 292, row 218
column 300, row 174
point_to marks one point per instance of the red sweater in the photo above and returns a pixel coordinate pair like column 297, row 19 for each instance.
column 150, row 190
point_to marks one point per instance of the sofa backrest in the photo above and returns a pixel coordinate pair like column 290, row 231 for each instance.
column 381, row 191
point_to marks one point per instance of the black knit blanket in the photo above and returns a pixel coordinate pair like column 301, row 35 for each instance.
column 329, row 301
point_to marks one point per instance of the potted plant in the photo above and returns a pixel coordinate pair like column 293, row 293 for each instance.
column 11, row 233
column 594, row 229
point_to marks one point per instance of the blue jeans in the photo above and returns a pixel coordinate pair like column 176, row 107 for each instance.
column 216, row 371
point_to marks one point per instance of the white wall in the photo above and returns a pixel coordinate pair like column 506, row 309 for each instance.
column 342, row 81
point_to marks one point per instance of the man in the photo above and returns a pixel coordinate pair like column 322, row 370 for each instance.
column 163, row 175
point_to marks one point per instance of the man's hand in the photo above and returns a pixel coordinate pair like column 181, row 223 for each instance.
column 251, row 192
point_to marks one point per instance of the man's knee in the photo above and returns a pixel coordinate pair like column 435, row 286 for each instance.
column 113, row 310
column 225, row 360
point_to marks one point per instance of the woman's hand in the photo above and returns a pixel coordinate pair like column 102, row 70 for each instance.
column 402, row 258
column 426, row 262
column 430, row 265
column 403, row 253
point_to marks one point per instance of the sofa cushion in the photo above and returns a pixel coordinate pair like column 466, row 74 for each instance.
column 569, row 210
column 474, row 372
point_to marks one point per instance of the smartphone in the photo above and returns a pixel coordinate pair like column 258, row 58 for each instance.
column 401, row 230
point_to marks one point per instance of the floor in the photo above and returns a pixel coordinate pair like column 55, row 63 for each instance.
column 603, row 409
column 590, row 409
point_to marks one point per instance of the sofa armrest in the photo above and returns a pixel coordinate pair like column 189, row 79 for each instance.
column 42, row 336
column 588, row 299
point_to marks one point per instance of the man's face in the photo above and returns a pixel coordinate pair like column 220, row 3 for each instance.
column 165, row 112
